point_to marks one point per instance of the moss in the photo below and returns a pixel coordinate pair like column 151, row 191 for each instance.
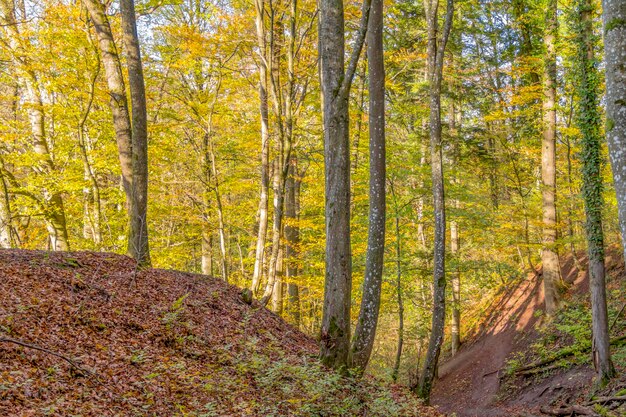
column 613, row 24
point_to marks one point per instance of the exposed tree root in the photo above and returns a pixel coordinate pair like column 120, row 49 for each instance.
column 48, row 351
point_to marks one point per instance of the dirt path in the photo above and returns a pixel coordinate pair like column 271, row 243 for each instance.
column 469, row 383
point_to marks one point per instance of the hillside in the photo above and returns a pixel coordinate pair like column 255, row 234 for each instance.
column 88, row 334
column 492, row 375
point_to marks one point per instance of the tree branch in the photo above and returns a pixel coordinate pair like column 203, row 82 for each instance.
column 356, row 52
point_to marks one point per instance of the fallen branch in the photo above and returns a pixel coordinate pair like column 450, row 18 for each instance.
column 569, row 411
column 48, row 351
column 603, row 400
column 525, row 370
column 617, row 317
column 537, row 370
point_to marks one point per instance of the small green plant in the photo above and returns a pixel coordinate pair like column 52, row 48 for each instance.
column 137, row 357
column 177, row 308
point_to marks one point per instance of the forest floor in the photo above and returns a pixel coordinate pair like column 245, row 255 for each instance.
column 88, row 334
column 487, row 377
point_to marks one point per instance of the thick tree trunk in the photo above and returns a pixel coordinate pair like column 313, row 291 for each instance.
column 336, row 81
column 549, row 257
column 365, row 331
column 265, row 149
column 436, row 50
column 117, row 91
column 588, row 119
column 138, row 247
column 614, row 18
column 207, row 250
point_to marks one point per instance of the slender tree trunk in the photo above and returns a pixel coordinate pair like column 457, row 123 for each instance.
column 396, row 365
column 436, row 50
column 588, row 119
column 292, row 241
column 220, row 211
column 549, row 257
column 277, row 230
column 365, row 331
column 265, row 149
column 455, row 330
column 614, row 18
column 138, row 247
column 336, row 81
column 6, row 215
column 277, row 291
column 117, row 92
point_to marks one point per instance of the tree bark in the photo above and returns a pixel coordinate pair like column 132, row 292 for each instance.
column 265, row 149
column 138, row 247
column 436, row 50
column 292, row 242
column 365, row 331
column 614, row 23
column 588, row 120
column 336, row 81
column 549, row 257
column 6, row 215
column 396, row 365
column 117, row 92
column 455, row 331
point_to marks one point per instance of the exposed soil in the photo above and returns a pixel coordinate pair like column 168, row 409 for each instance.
column 469, row 384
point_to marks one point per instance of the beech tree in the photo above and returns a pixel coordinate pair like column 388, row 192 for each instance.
column 614, row 18
column 138, row 246
column 549, row 256
column 588, row 119
column 365, row 331
column 436, row 50
column 336, row 80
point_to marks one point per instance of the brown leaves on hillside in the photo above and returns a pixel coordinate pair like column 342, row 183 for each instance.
column 159, row 343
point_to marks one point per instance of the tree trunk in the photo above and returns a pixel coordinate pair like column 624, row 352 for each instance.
column 365, row 331
column 436, row 50
column 336, row 81
column 614, row 18
column 265, row 149
column 292, row 242
column 277, row 291
column 117, row 91
column 277, row 230
column 52, row 202
column 396, row 365
column 549, row 257
column 455, row 331
column 588, row 120
column 6, row 215
column 207, row 250
column 138, row 247
column 220, row 211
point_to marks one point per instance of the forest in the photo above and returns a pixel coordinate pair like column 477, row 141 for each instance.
column 317, row 208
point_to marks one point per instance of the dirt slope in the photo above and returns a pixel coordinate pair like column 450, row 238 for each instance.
column 469, row 382
column 157, row 343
